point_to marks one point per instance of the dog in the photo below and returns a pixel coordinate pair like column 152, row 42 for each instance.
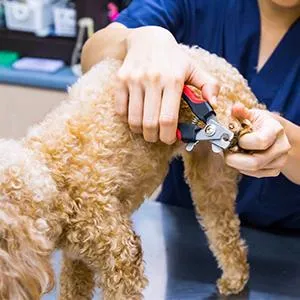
column 76, row 178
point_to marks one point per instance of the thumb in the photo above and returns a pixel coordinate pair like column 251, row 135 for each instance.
column 204, row 82
column 240, row 111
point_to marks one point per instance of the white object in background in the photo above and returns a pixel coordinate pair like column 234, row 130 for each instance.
column 38, row 64
column 2, row 17
column 32, row 16
column 84, row 24
column 64, row 20
column 77, row 70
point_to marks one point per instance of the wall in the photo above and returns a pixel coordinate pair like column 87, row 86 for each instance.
column 20, row 107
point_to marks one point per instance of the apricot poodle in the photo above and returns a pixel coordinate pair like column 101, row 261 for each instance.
column 73, row 182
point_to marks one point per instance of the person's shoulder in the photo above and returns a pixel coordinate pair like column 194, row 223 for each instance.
column 202, row 11
column 180, row 17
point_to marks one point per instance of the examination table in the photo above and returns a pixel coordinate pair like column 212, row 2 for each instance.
column 181, row 267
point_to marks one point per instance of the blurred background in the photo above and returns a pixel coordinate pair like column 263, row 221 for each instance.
column 40, row 47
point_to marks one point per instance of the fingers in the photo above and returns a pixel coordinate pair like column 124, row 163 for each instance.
column 152, row 105
column 271, row 170
column 262, row 173
column 121, row 99
column 135, row 108
column 264, row 136
column 210, row 92
column 149, row 92
column 256, row 161
column 261, row 140
column 148, row 108
column 266, row 128
column 240, row 112
column 245, row 162
column 169, row 112
column 264, row 163
column 205, row 82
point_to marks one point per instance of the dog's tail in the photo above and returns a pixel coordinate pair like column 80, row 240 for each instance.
column 25, row 268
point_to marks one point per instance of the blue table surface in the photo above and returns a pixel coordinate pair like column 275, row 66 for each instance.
column 59, row 80
column 180, row 266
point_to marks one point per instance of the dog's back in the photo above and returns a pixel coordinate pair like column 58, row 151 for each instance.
column 87, row 146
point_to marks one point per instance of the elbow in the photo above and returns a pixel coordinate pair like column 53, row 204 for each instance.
column 107, row 42
column 88, row 57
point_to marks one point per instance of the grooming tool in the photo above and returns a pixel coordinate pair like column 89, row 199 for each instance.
column 206, row 127
column 86, row 26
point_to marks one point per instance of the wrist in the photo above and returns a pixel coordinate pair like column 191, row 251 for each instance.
column 107, row 42
column 292, row 131
column 148, row 34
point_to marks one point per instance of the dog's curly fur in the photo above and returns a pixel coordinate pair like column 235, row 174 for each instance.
column 75, row 179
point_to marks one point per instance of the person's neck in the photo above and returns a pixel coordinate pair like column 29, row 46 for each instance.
column 275, row 22
column 275, row 16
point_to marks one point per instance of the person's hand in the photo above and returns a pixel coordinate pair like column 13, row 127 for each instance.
column 151, row 81
column 268, row 141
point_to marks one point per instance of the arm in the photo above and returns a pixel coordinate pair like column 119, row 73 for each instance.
column 111, row 41
column 108, row 42
column 148, row 91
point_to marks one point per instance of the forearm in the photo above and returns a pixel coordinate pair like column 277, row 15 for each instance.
column 108, row 42
column 292, row 167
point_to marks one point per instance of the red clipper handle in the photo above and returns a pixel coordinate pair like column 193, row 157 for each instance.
column 178, row 134
column 192, row 96
column 199, row 106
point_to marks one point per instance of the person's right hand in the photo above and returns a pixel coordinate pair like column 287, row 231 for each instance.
column 151, row 81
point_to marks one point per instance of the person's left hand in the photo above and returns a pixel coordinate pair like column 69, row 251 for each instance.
column 268, row 142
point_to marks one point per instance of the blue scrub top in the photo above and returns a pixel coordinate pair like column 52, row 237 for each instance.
column 231, row 29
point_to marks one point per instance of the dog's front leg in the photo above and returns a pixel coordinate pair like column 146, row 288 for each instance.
column 214, row 189
column 103, row 238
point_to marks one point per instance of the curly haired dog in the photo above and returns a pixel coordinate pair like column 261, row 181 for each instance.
column 75, row 179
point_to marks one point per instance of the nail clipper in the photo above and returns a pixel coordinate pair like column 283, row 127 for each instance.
column 212, row 131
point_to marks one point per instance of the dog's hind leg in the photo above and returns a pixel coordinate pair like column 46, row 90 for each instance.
column 76, row 280
column 104, row 239
column 214, row 189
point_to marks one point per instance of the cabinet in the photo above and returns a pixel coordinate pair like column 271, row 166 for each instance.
column 27, row 44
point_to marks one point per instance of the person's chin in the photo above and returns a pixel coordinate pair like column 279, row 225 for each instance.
column 287, row 3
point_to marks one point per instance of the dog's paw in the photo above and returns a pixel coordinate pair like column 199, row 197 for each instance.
column 239, row 129
column 246, row 128
column 232, row 286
